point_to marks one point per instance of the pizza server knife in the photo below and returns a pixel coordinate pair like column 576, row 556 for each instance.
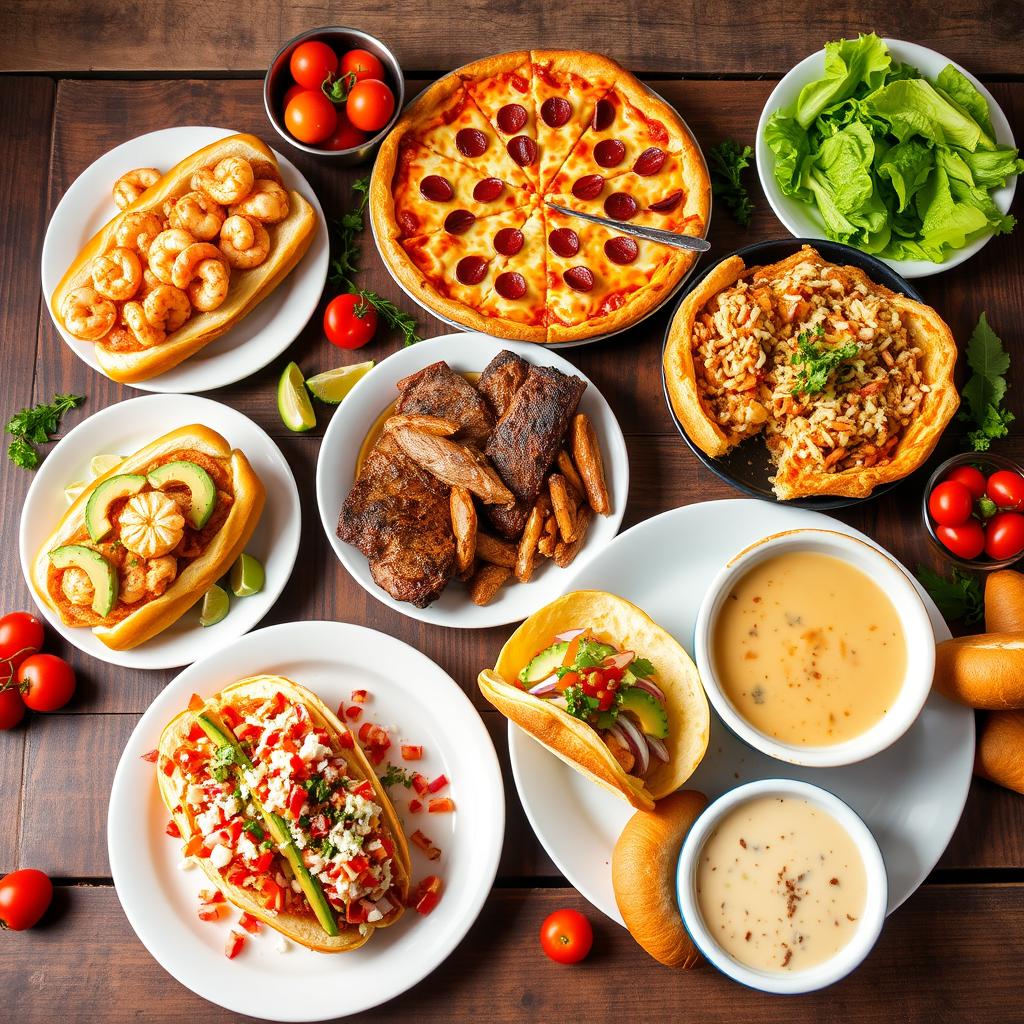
column 676, row 239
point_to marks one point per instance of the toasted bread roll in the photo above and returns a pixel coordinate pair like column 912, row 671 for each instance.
column 1000, row 754
column 1004, row 602
column 985, row 671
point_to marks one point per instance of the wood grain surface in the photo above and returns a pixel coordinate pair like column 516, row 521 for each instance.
column 951, row 954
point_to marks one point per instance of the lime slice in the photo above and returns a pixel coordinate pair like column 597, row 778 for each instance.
column 72, row 491
column 247, row 576
column 292, row 401
column 101, row 464
column 333, row 385
column 215, row 606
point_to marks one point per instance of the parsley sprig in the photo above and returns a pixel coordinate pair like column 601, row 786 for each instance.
column 818, row 362
column 985, row 390
column 727, row 161
column 36, row 425
column 395, row 776
column 959, row 597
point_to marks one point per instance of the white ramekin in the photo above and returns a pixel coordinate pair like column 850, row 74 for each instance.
column 913, row 616
column 784, row 982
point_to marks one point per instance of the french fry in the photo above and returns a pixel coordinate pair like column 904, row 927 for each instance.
column 587, row 454
column 567, row 468
column 565, row 553
column 563, row 505
column 549, row 537
column 487, row 581
column 528, row 543
column 497, row 552
column 464, row 524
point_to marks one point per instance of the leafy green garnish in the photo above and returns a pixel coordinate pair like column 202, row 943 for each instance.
column 727, row 161
column 327, row 849
column 641, row 668
column 985, row 389
column 34, row 426
column 319, row 789
column 395, row 776
column 578, row 704
column 254, row 829
column 959, row 597
column 818, row 362
column 223, row 760
column 590, row 653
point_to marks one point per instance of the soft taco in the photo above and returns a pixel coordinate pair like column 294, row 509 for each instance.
column 604, row 687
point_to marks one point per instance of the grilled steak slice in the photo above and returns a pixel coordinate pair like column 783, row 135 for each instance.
column 399, row 516
column 437, row 390
column 502, row 378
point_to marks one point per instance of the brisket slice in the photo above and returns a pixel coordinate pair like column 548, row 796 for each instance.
column 437, row 390
column 502, row 378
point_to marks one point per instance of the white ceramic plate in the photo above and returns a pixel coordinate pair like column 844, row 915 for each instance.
column 804, row 221
column 910, row 796
column 253, row 342
column 464, row 352
column 123, row 429
column 418, row 702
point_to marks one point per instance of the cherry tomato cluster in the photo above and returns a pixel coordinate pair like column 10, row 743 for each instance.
column 599, row 683
column 42, row 682
column 975, row 514
column 336, row 104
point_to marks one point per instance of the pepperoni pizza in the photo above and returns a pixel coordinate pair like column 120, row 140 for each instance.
column 459, row 190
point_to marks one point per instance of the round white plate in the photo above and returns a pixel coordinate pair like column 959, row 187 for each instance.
column 253, row 342
column 419, row 703
column 911, row 795
column 804, row 221
column 123, row 429
column 465, row 352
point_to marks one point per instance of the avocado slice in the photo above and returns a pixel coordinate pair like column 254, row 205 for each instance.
column 101, row 573
column 276, row 825
column 197, row 480
column 544, row 664
column 648, row 711
column 97, row 508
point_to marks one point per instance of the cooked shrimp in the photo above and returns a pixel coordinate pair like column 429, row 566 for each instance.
column 202, row 272
column 268, row 202
column 144, row 332
column 229, row 182
column 117, row 274
column 160, row 574
column 166, row 307
column 266, row 169
column 198, row 214
column 244, row 242
column 189, row 258
column 164, row 251
column 132, row 184
column 133, row 581
column 150, row 524
column 87, row 314
column 137, row 231
column 77, row 586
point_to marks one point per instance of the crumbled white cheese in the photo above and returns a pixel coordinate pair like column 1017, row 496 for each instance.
column 194, row 794
column 312, row 749
column 247, row 848
column 374, row 916
column 220, row 857
column 208, row 821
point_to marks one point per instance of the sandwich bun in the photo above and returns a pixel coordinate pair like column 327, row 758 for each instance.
column 1000, row 754
column 985, row 671
column 1004, row 602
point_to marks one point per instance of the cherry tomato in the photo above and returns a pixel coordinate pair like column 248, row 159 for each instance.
column 312, row 62
column 966, row 541
column 21, row 634
column 349, row 321
column 346, row 135
column 971, row 477
column 24, row 897
column 1006, row 489
column 12, row 708
column 362, row 64
column 310, row 117
column 950, row 503
column 566, row 936
column 47, row 682
column 290, row 93
column 370, row 105
column 1004, row 535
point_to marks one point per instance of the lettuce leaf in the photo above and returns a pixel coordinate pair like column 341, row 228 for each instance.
column 906, row 166
column 791, row 146
column 957, row 88
column 913, row 107
column 849, row 65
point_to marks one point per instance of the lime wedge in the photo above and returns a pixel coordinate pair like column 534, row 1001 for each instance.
column 333, row 385
column 247, row 576
column 101, row 464
column 215, row 606
column 72, row 491
column 292, row 401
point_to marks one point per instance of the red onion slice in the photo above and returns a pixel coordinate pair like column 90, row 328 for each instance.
column 651, row 688
column 637, row 745
column 570, row 634
column 658, row 748
column 544, row 687
column 618, row 660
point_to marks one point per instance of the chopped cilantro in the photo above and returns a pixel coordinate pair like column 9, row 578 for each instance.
column 395, row 775
column 327, row 849
column 319, row 790
column 578, row 704
column 223, row 759
column 641, row 668
column 590, row 653
column 818, row 362
column 254, row 829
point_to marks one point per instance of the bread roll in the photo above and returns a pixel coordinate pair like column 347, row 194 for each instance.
column 985, row 671
column 644, row 877
column 1000, row 755
column 1004, row 602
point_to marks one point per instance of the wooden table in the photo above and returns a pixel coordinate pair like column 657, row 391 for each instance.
column 97, row 76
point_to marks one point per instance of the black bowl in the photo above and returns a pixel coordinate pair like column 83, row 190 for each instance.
column 747, row 466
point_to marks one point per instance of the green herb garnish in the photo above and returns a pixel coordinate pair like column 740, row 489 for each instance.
column 985, row 389
column 319, row 790
column 395, row 776
column 818, row 362
column 578, row 704
column 254, row 829
column 223, row 759
column 727, row 161
column 959, row 597
column 641, row 668
column 35, row 426
column 590, row 653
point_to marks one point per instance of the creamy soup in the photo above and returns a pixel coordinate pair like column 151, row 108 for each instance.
column 808, row 649
column 781, row 884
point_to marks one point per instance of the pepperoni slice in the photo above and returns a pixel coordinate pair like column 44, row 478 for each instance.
column 668, row 204
column 564, row 242
column 471, row 269
column 511, row 118
column 508, row 241
column 604, row 115
column 650, row 161
column 620, row 206
column 437, row 189
column 510, row 285
column 523, row 150
column 588, row 187
column 609, row 153
column 580, row 279
column 621, row 250
column 408, row 222
column 488, row 190
column 556, row 111
column 471, row 142
column 458, row 222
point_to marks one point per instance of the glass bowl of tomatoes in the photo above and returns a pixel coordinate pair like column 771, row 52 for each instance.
column 973, row 510
column 334, row 92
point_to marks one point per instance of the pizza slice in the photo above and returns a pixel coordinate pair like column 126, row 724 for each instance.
column 566, row 87
column 518, row 279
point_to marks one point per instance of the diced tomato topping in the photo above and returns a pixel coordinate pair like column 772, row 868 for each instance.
column 272, row 739
column 277, row 703
column 262, row 863
column 356, row 912
column 415, row 806
column 411, row 752
column 230, row 716
column 438, row 784
column 172, row 829
column 250, row 924
column 273, row 896
column 298, row 766
column 441, row 805
column 194, row 846
column 188, row 759
column 196, row 702
column 364, row 731
column 195, row 734
column 375, row 755
column 345, row 740
column 209, row 912
column 167, row 767
column 151, row 756
column 301, row 714
column 211, row 896
column 237, row 874
column 247, row 729
column 427, row 895
column 235, row 829
column 425, row 844
column 357, row 865
column 359, row 696
column 353, row 712
column 420, row 783
column 319, row 826
column 236, row 940
column 364, row 789
column 296, row 800
column 388, row 845
column 288, row 746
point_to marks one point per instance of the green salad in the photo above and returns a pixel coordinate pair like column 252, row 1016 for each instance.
column 896, row 165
